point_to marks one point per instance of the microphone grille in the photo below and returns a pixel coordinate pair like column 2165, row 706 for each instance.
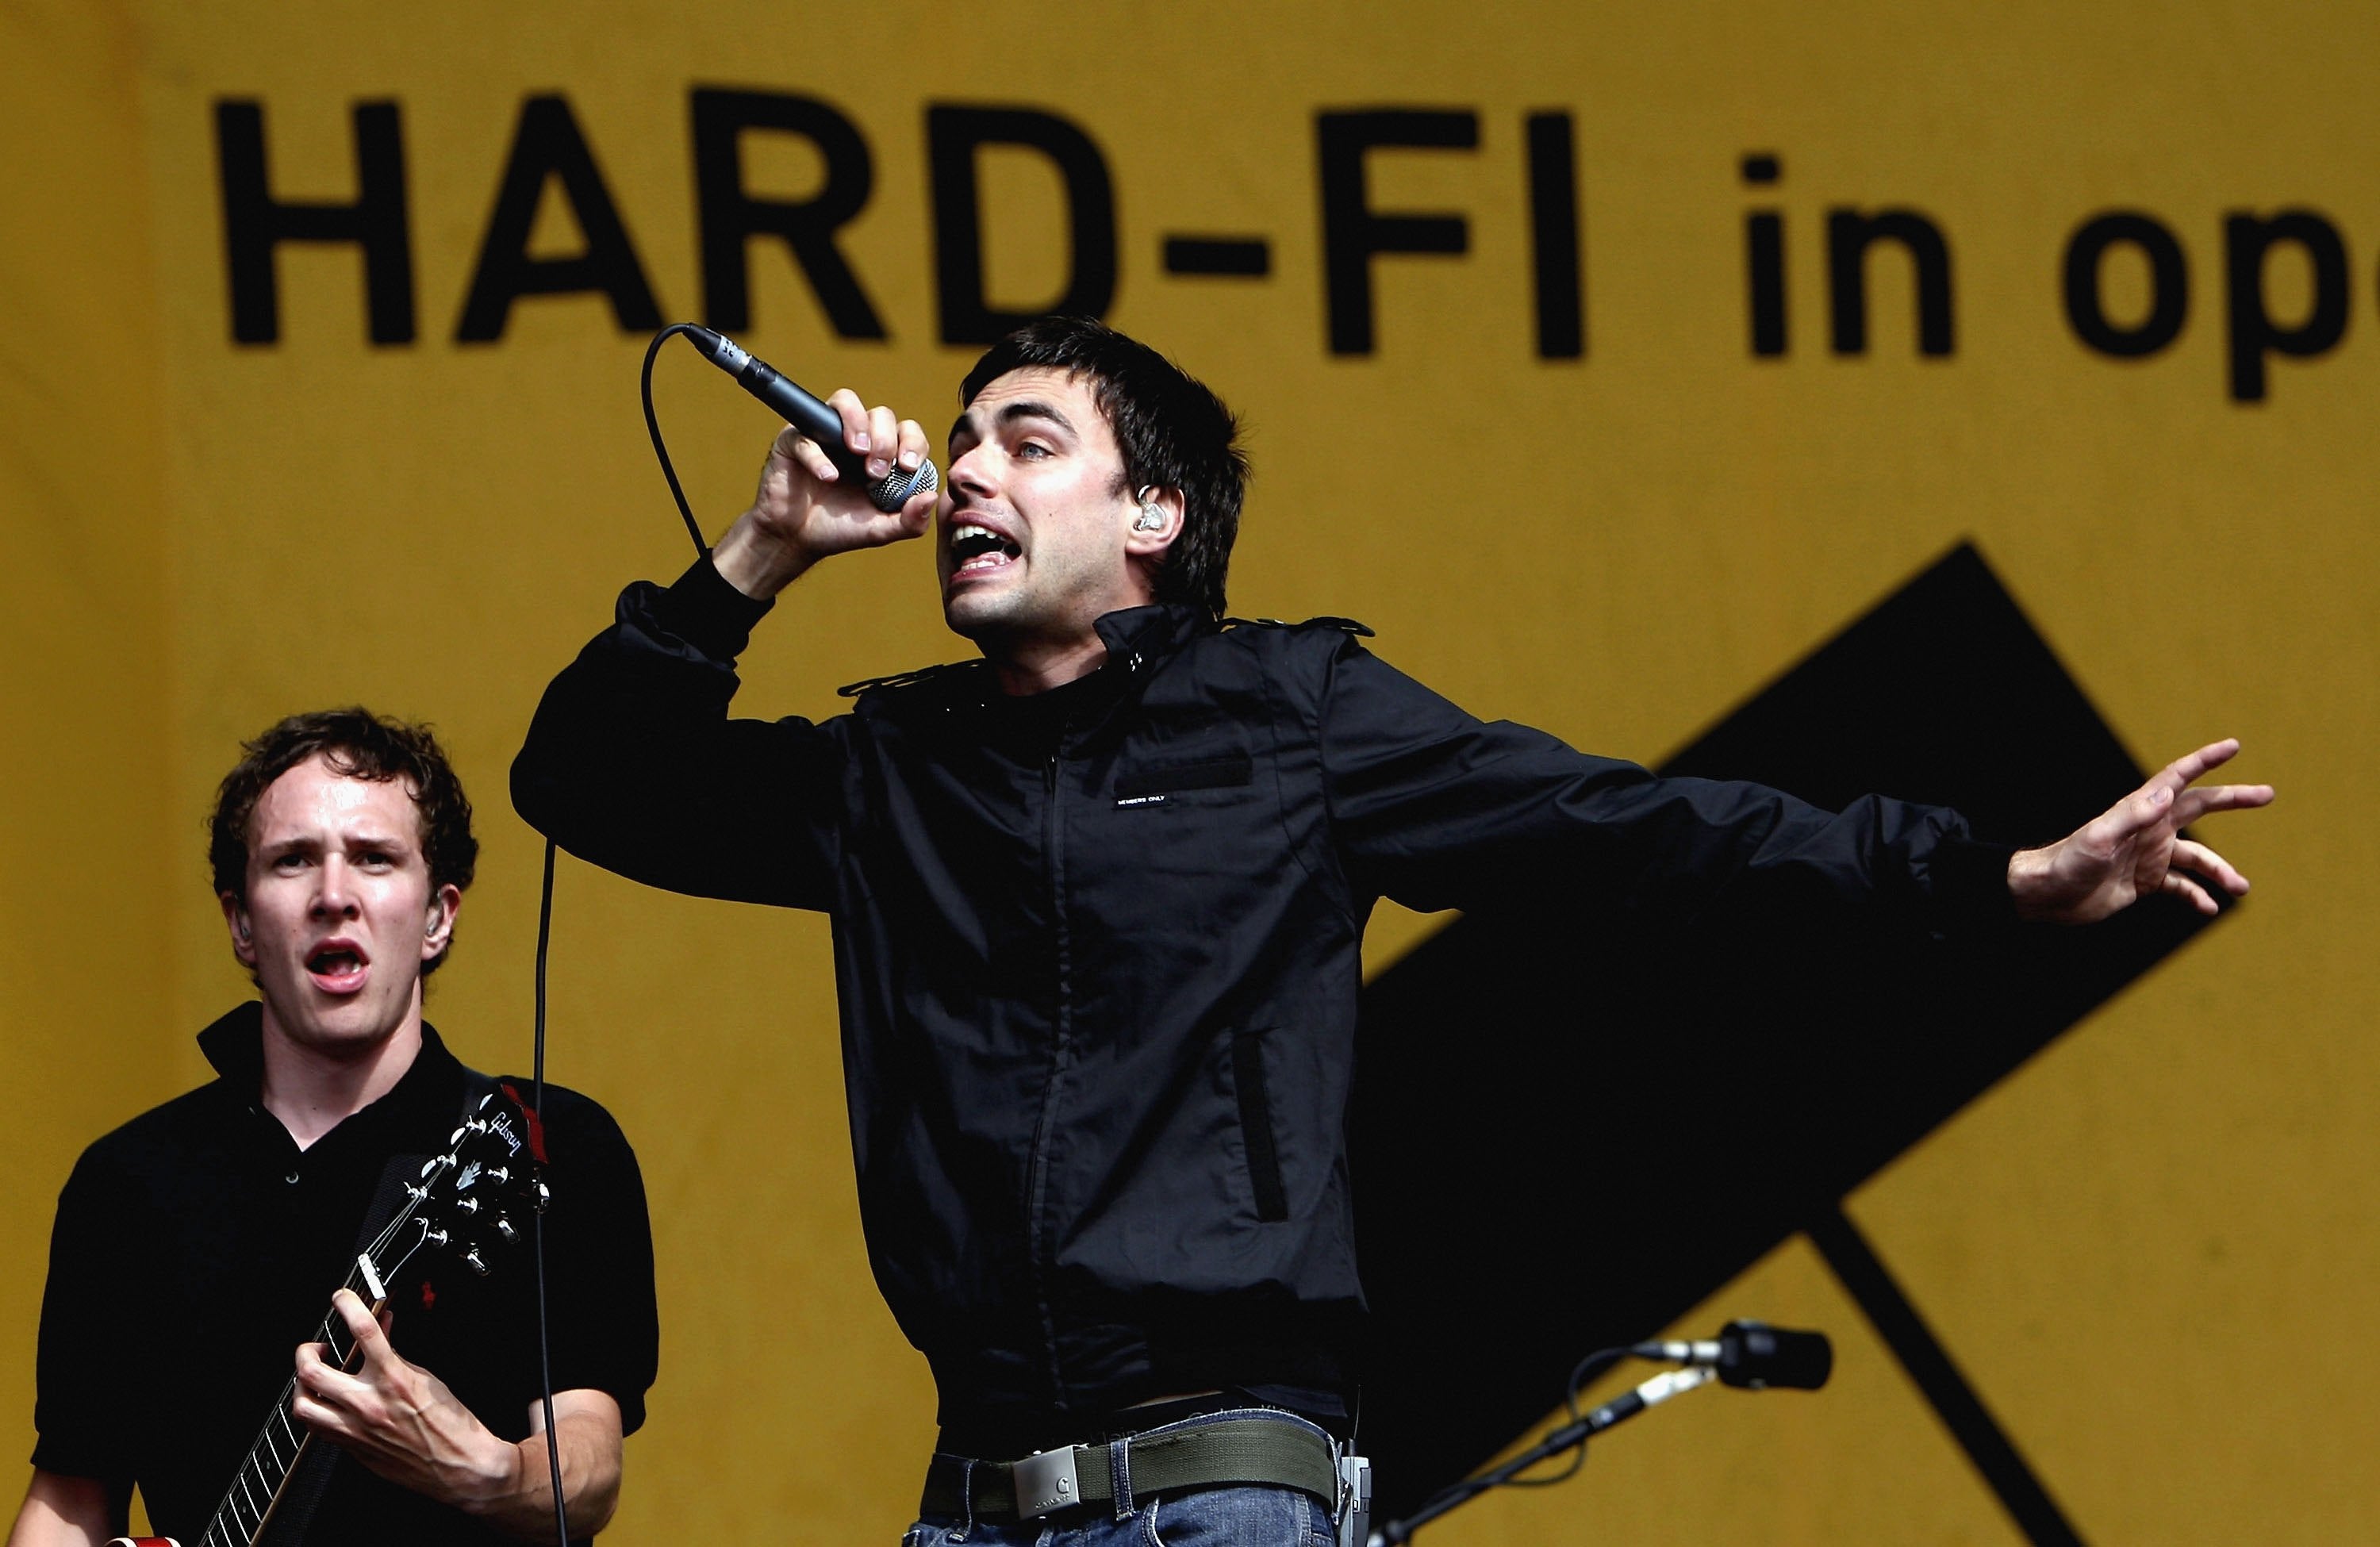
column 896, row 487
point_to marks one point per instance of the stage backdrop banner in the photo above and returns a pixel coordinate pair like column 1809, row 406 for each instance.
column 1607, row 364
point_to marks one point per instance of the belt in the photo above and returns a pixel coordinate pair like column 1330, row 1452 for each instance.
column 1270, row 1451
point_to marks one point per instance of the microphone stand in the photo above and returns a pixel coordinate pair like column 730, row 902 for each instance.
column 1620, row 1408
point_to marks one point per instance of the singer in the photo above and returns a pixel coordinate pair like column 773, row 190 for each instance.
column 196, row 1245
column 1098, row 899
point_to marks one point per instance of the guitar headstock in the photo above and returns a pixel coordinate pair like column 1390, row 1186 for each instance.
column 474, row 1201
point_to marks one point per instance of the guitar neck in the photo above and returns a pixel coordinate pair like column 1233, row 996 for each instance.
column 256, row 1487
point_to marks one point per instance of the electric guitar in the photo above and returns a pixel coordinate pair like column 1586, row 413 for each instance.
column 464, row 1202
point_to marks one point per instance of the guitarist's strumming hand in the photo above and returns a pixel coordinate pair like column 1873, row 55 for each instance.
column 403, row 1422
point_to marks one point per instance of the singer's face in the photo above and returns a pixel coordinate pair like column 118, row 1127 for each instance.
column 340, row 915
column 1030, row 539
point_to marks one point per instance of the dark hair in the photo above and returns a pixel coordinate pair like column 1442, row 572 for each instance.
column 357, row 744
column 1173, row 431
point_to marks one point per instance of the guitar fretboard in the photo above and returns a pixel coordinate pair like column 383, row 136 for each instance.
column 257, row 1486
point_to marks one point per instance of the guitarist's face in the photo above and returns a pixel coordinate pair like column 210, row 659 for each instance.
column 340, row 914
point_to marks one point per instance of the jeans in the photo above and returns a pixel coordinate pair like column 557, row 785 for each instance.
column 1227, row 1517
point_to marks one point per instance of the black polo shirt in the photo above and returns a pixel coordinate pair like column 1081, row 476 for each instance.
column 197, row 1246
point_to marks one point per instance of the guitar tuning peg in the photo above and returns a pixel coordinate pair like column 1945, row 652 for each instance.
column 479, row 1264
column 457, row 1137
column 505, row 1228
column 432, row 1163
column 468, row 1205
column 487, row 1100
column 416, row 1193
column 543, row 1198
column 435, row 1237
column 500, row 1175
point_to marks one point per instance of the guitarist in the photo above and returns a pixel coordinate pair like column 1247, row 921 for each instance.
column 196, row 1243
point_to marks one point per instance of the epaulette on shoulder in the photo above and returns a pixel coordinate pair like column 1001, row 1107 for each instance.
column 1345, row 625
column 904, row 679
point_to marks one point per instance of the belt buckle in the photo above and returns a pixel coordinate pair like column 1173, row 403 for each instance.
column 1045, row 1482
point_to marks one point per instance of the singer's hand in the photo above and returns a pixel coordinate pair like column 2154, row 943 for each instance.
column 2135, row 848
column 806, row 510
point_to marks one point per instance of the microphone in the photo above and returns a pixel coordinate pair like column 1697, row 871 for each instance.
column 813, row 419
column 1753, row 1355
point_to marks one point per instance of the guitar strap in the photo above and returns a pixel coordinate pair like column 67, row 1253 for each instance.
column 303, row 1493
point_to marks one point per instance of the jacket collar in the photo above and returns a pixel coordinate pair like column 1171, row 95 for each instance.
column 1137, row 638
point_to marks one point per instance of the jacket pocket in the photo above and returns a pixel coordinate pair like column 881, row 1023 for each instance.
column 1256, row 1125
column 1224, row 772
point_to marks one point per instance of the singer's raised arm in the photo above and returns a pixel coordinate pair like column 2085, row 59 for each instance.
column 633, row 763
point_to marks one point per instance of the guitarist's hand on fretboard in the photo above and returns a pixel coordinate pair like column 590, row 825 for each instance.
column 398, row 1418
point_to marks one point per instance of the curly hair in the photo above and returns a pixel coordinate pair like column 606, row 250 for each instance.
column 357, row 744
column 1173, row 431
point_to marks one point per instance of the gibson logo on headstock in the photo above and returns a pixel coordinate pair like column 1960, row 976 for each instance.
column 502, row 1125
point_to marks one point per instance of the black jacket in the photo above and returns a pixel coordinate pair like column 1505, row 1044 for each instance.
column 1097, row 952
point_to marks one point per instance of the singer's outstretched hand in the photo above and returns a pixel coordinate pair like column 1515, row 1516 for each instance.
column 806, row 510
column 2135, row 848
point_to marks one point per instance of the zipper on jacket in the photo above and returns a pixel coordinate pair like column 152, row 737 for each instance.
column 1037, row 1224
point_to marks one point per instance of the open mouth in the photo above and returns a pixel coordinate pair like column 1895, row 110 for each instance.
column 336, row 967
column 977, row 549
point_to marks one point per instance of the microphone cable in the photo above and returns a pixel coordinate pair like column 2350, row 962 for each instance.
column 1455, row 1492
column 653, row 428
column 544, row 940
column 537, row 1218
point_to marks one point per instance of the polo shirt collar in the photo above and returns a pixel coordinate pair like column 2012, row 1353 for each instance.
column 235, row 1046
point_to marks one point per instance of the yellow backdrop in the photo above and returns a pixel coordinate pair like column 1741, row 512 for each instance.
column 2152, row 1247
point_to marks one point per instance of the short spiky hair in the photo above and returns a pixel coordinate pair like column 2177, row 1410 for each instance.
column 1173, row 431
column 357, row 744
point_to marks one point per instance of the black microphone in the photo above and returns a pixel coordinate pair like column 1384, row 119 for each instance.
column 813, row 419
column 1755, row 1355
